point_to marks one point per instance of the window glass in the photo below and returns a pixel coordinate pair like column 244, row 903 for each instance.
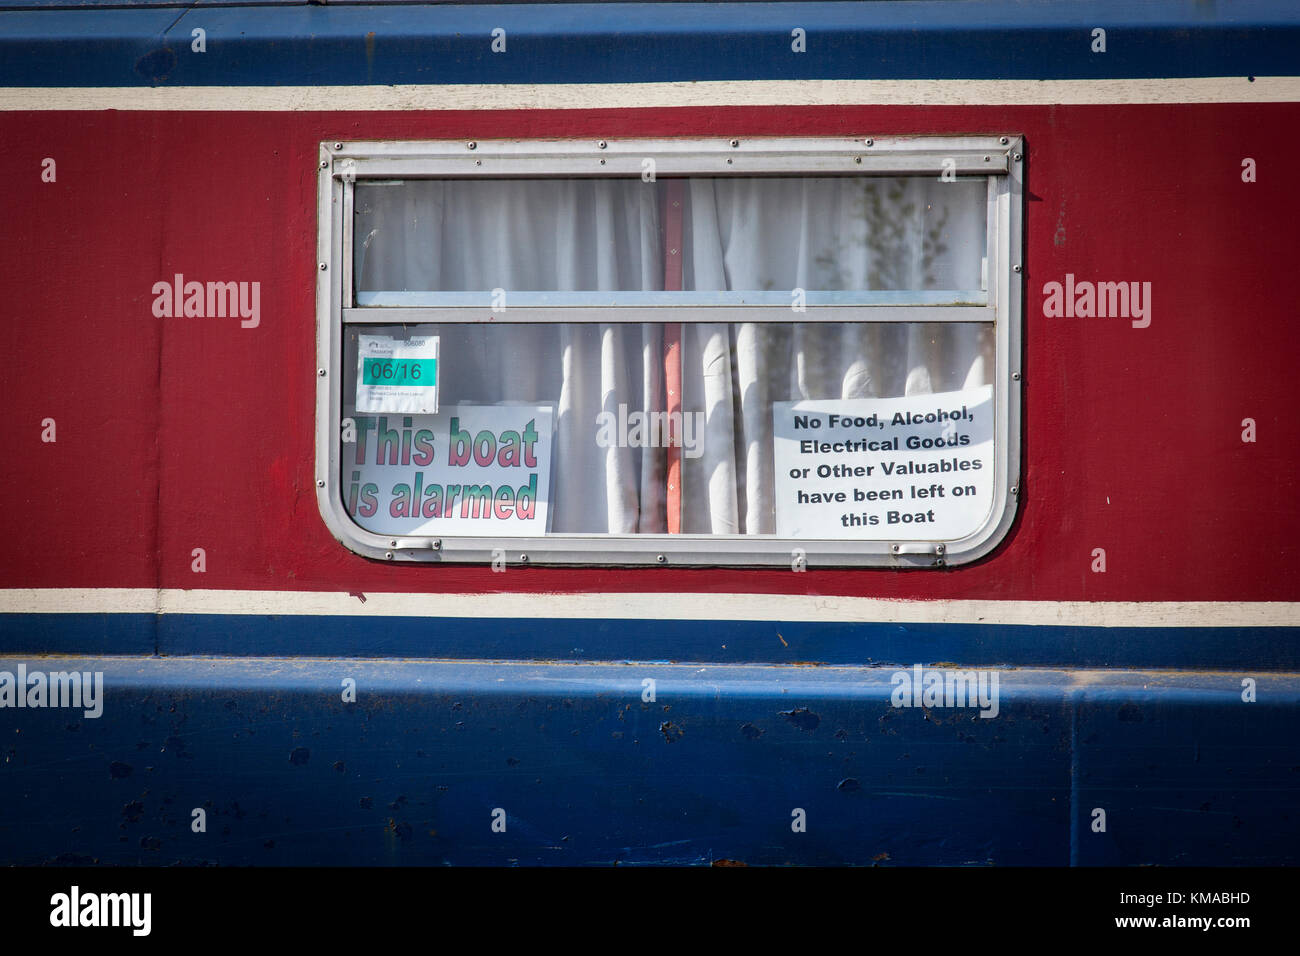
column 611, row 434
column 745, row 234
column 835, row 233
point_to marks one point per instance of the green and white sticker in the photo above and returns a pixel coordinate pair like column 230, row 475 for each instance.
column 397, row 375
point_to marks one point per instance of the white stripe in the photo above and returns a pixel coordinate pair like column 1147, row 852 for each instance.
column 329, row 99
column 656, row 607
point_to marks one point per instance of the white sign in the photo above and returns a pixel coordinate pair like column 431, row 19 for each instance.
column 397, row 375
column 481, row 470
column 892, row 469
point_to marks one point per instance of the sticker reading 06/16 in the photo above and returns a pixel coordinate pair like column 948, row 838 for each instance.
column 397, row 375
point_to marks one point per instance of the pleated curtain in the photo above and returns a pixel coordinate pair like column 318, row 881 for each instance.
column 773, row 234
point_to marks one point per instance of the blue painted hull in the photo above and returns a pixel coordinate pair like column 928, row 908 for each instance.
column 587, row 772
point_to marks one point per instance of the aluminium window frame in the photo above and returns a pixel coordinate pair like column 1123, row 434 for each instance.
column 1000, row 158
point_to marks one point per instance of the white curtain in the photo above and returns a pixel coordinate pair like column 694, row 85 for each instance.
column 525, row 236
column 818, row 234
column 739, row 234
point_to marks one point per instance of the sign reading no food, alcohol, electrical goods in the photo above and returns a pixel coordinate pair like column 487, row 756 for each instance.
column 914, row 468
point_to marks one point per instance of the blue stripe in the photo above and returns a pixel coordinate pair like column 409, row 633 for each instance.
column 731, row 642
column 79, row 633
column 645, row 42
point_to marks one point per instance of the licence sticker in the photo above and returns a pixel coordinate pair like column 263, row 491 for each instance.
column 397, row 375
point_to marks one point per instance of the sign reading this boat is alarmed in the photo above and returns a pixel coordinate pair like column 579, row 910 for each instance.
column 469, row 470
column 397, row 375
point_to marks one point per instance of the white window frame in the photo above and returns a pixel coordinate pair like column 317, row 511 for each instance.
column 999, row 157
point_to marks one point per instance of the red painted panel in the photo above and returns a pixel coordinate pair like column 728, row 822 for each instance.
column 183, row 433
column 79, row 345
